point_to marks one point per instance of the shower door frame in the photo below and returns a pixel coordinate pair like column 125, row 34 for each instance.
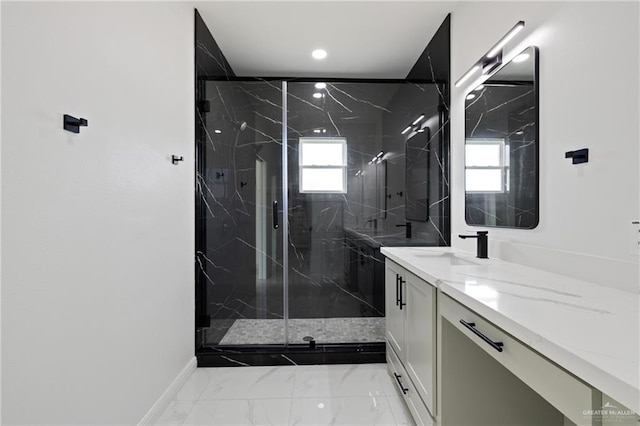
column 263, row 354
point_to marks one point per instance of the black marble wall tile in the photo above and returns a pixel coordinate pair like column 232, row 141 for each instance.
column 411, row 102
column 209, row 63
column 209, row 59
column 434, row 64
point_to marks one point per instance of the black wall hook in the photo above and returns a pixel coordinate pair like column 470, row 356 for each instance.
column 175, row 159
column 73, row 124
column 579, row 156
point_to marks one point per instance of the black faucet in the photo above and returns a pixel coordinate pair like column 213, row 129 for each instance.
column 483, row 243
column 408, row 233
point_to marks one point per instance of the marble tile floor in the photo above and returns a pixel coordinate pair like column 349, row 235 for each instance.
column 323, row 330
column 348, row 394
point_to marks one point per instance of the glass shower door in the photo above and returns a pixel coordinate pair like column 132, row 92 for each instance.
column 239, row 186
column 313, row 275
column 335, row 278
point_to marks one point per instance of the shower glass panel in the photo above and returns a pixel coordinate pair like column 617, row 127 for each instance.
column 239, row 183
column 334, row 295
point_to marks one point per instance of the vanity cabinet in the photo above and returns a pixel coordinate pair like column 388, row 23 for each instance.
column 469, row 344
column 411, row 332
column 364, row 274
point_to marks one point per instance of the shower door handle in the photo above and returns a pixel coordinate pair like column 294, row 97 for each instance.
column 274, row 211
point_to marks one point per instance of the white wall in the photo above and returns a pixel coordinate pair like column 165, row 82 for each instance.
column 589, row 98
column 97, row 227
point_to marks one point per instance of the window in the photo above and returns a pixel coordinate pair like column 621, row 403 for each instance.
column 323, row 165
column 486, row 165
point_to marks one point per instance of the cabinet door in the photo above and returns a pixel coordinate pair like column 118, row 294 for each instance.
column 420, row 329
column 394, row 315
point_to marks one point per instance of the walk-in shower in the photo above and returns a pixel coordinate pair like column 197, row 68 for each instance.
column 298, row 183
column 285, row 173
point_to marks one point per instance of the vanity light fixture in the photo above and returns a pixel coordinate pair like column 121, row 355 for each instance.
column 504, row 40
column 466, row 76
column 406, row 130
column 417, row 120
column 377, row 158
column 321, row 86
column 493, row 58
column 319, row 54
column 490, row 64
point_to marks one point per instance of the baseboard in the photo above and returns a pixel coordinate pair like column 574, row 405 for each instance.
column 162, row 403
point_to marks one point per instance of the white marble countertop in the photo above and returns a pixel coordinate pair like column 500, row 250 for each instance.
column 590, row 330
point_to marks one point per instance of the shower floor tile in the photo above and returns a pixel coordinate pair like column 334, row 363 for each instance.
column 323, row 330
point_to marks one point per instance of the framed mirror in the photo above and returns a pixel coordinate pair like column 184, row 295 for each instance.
column 416, row 176
column 501, row 147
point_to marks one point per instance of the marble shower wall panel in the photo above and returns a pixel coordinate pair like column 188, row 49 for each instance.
column 434, row 66
column 409, row 103
column 210, row 62
column 350, row 110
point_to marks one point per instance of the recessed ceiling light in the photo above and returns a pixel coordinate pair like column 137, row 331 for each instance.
column 319, row 54
column 521, row 57
column 317, row 95
column 519, row 132
column 470, row 96
column 218, row 131
column 321, row 86
column 480, row 87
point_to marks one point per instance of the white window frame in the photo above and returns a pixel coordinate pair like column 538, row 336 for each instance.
column 343, row 166
column 503, row 163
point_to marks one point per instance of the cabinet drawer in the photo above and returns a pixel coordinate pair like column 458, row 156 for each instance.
column 565, row 392
column 408, row 391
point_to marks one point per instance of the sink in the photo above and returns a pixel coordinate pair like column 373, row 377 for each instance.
column 448, row 257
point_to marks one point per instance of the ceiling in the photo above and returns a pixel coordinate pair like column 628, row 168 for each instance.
column 364, row 39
